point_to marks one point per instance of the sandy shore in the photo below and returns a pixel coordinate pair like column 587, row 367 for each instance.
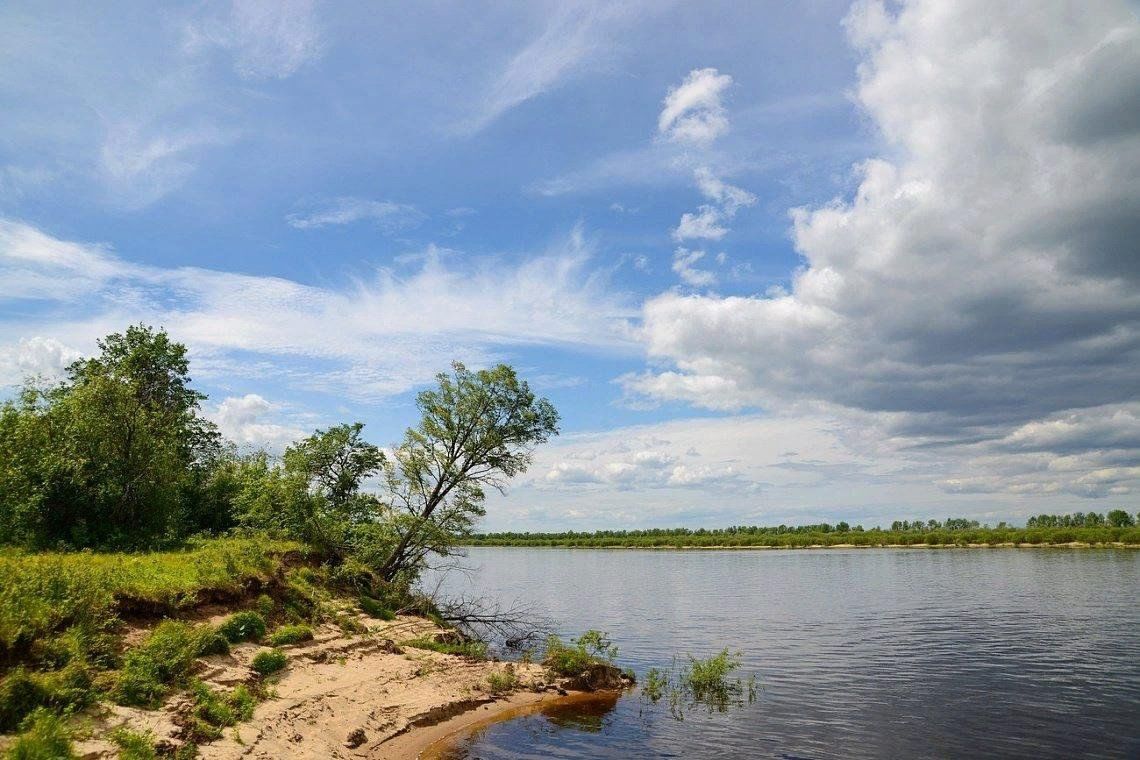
column 344, row 696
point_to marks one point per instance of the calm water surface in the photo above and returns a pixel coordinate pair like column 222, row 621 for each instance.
column 887, row 653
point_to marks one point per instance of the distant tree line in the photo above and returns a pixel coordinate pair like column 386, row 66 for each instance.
column 118, row 455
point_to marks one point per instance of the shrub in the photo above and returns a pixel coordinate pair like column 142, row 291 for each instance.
column 45, row 737
column 214, row 711
column 133, row 745
column 269, row 661
column 243, row 626
column 591, row 648
column 503, row 681
column 164, row 658
column 375, row 608
column 291, row 634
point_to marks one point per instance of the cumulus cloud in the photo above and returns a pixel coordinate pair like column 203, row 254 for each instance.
column 983, row 277
column 35, row 357
column 685, row 265
column 373, row 338
column 245, row 420
column 388, row 216
column 693, row 111
column 709, row 221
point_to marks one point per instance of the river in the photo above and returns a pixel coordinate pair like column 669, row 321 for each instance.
column 861, row 653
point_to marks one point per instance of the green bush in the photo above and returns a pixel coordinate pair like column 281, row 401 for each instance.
column 269, row 661
column 291, row 634
column 502, row 681
column 591, row 648
column 376, row 608
column 44, row 737
column 22, row 692
column 243, row 626
column 214, row 711
column 164, row 658
column 133, row 745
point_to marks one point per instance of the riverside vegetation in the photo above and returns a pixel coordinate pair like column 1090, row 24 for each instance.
column 1114, row 528
column 122, row 509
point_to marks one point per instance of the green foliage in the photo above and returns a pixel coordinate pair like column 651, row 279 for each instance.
column 214, row 711
column 376, row 608
column 706, row 682
column 269, row 661
column 477, row 429
column 134, row 745
column 472, row 650
column 503, row 681
column 45, row 737
column 49, row 591
column 577, row 657
column 111, row 457
column 243, row 626
column 291, row 634
column 802, row 536
column 22, row 692
column 165, row 658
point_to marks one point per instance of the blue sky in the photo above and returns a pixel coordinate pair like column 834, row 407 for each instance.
column 771, row 261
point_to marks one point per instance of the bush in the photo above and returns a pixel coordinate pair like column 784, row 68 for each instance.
column 243, row 626
column 133, row 745
column 503, row 681
column 291, row 634
column 214, row 711
column 375, row 608
column 45, row 737
column 164, row 658
column 591, row 648
column 22, row 692
column 269, row 661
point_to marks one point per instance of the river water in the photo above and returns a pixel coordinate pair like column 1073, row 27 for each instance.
column 864, row 653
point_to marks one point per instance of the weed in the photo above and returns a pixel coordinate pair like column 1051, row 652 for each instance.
column 503, row 681
column 243, row 626
column 133, row 745
column 375, row 608
column 269, row 661
column 291, row 634
column 472, row 650
column 44, row 737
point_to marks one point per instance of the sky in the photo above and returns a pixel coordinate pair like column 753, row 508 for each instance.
column 773, row 262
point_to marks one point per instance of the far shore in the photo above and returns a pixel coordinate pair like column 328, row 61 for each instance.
column 727, row 547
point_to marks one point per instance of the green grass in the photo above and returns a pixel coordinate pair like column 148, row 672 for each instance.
column 503, row 681
column 134, row 745
column 574, row 659
column 243, row 626
column 45, row 737
column 214, row 710
column 164, row 659
column 472, row 650
column 376, row 608
column 269, row 661
column 291, row 634
column 47, row 592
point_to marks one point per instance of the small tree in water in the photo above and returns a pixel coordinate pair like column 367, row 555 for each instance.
column 477, row 430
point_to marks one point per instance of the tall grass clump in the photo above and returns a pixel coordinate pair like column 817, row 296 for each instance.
column 44, row 737
column 243, row 626
column 214, row 710
column 269, row 661
column 706, row 682
column 134, row 745
column 163, row 660
column 290, row 634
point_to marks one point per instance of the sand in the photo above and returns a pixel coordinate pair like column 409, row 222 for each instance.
column 345, row 696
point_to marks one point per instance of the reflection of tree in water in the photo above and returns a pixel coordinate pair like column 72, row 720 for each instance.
column 585, row 715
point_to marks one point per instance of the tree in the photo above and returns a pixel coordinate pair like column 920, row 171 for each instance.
column 112, row 455
column 477, row 430
column 1118, row 518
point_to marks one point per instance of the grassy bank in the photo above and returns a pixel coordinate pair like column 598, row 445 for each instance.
column 775, row 538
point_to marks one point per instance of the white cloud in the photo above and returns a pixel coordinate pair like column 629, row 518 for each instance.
column 684, row 264
column 269, row 39
column 984, row 278
column 693, row 111
column 34, row 357
column 243, row 420
column 140, row 166
column 376, row 337
column 390, row 217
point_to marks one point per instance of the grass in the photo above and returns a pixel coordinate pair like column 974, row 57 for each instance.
column 46, row 592
column 376, row 608
column 290, row 634
column 269, row 661
column 214, row 711
column 706, row 682
column 503, row 681
column 134, row 745
column 164, row 659
column 576, row 658
column 45, row 737
column 243, row 626
column 472, row 650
